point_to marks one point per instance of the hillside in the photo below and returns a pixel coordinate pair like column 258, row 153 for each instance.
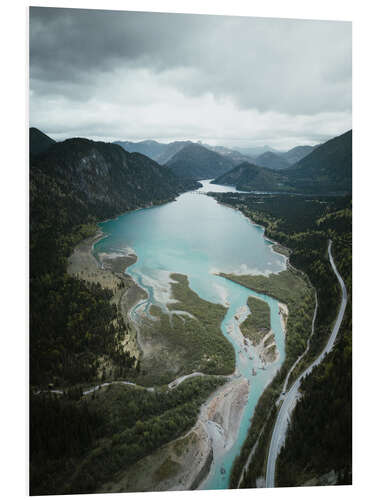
column 162, row 153
column 38, row 141
column 255, row 151
column 157, row 151
column 234, row 156
column 249, row 177
column 327, row 169
column 271, row 160
column 152, row 149
column 296, row 154
column 106, row 178
column 197, row 162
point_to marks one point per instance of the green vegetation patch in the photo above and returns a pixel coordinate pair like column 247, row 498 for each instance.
column 258, row 323
column 287, row 286
column 79, row 445
column 326, row 411
column 81, row 326
column 182, row 344
column 291, row 288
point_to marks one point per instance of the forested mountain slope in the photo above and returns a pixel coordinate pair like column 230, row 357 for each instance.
column 157, row 151
column 249, row 177
column 106, row 178
column 296, row 154
column 327, row 169
column 231, row 154
column 197, row 162
column 271, row 160
column 163, row 152
column 38, row 141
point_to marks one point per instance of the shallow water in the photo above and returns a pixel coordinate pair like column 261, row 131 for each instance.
column 197, row 236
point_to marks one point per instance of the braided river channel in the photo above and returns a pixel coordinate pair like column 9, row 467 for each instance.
column 198, row 237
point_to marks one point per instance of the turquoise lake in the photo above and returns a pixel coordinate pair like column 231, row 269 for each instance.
column 197, row 236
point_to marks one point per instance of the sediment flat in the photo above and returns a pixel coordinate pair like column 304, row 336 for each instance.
column 109, row 272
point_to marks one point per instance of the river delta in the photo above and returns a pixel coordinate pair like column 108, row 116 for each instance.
column 197, row 237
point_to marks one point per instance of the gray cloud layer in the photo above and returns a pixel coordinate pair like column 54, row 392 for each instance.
column 272, row 76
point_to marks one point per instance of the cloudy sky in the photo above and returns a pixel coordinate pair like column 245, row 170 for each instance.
column 234, row 81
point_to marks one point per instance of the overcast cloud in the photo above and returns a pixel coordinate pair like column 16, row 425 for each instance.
column 234, row 81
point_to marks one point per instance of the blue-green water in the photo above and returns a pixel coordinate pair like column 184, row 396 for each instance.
column 197, row 236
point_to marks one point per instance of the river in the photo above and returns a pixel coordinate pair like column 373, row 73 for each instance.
column 197, row 236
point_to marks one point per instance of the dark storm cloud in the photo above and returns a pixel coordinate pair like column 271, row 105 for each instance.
column 66, row 43
column 118, row 59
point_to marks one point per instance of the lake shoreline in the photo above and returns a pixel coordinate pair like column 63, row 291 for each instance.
column 276, row 247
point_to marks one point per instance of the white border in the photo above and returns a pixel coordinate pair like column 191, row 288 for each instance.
column 14, row 242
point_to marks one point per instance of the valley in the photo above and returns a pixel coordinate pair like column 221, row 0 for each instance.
column 227, row 323
column 189, row 250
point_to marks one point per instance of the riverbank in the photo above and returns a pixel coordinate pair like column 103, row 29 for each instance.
column 222, row 414
column 184, row 463
column 284, row 313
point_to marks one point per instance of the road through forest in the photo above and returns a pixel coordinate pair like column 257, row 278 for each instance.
column 290, row 399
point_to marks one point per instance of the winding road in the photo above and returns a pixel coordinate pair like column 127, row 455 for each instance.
column 172, row 385
column 291, row 397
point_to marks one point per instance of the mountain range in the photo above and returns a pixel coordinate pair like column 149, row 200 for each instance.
column 157, row 151
column 197, row 162
column 254, row 151
column 107, row 178
column 264, row 156
column 163, row 152
column 326, row 169
column 272, row 160
column 296, row 154
column 235, row 156
column 250, row 177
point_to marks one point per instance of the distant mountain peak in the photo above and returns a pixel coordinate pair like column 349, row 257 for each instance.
column 269, row 159
column 296, row 154
column 198, row 162
column 39, row 142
